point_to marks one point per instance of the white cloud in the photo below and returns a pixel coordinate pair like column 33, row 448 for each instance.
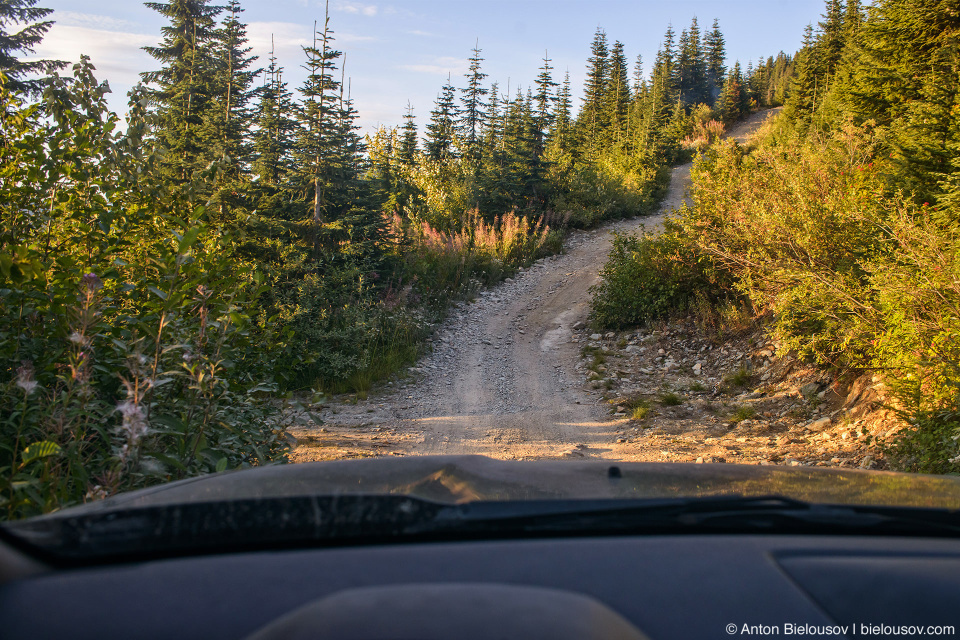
column 355, row 7
column 440, row 66
column 93, row 21
column 117, row 55
column 289, row 38
column 425, row 34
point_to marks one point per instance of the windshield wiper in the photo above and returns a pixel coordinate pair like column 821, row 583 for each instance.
column 761, row 514
column 279, row 523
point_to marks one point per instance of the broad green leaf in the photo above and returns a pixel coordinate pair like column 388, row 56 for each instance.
column 39, row 450
column 188, row 239
column 162, row 295
column 169, row 460
column 221, row 465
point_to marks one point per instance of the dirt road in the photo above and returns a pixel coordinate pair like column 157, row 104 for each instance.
column 502, row 379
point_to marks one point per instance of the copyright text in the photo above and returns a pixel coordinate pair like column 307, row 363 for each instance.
column 861, row 629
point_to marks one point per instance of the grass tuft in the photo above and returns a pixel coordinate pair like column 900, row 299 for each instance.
column 671, row 399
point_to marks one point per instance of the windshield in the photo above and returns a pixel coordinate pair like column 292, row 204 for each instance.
column 699, row 237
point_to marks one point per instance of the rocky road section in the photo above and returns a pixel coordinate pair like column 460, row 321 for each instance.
column 516, row 375
column 679, row 393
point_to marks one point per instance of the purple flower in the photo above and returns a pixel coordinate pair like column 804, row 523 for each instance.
column 92, row 281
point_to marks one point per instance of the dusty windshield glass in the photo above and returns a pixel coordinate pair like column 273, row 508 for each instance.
column 705, row 235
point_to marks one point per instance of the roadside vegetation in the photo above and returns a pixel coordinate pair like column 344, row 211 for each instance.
column 840, row 226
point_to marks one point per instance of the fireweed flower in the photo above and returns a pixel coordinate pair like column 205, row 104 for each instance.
column 80, row 339
column 25, row 378
column 92, row 282
column 132, row 428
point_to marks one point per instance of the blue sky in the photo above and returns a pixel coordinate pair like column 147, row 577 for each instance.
column 400, row 50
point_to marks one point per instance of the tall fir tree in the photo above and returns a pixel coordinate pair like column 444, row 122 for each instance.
column 804, row 84
column 472, row 110
column 493, row 133
column 408, row 141
column 667, row 57
column 273, row 133
column 318, row 121
column 560, row 135
column 829, row 45
column 732, row 96
column 592, row 121
column 441, row 130
column 715, row 50
column 229, row 119
column 544, row 100
column 617, row 98
column 905, row 80
column 185, row 85
column 15, row 39
column 691, row 66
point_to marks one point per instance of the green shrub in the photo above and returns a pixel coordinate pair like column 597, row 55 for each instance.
column 616, row 185
column 648, row 277
column 929, row 443
column 125, row 317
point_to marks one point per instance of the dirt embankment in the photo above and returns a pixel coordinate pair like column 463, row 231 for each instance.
column 508, row 377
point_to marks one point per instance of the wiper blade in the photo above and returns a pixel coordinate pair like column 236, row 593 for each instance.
column 281, row 523
column 760, row 514
column 125, row 534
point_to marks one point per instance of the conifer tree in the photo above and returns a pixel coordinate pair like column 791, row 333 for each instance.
column 691, row 66
column 657, row 109
column 641, row 95
column 592, row 119
column 732, row 96
column 14, row 39
column 667, row 57
column 185, row 85
column 617, row 96
column 905, row 80
column 518, row 177
column 318, row 121
column 493, row 133
column 715, row 50
column 441, row 128
column 408, row 141
column 544, row 100
column 471, row 113
column 829, row 44
column 803, row 85
column 229, row 119
column 274, row 131
column 639, row 82
column 852, row 20
column 562, row 117
column 361, row 227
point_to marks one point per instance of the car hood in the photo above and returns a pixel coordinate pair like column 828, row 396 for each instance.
column 459, row 479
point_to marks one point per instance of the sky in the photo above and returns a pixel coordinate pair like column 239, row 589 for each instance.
column 397, row 51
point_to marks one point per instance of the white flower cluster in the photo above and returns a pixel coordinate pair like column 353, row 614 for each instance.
column 134, row 425
column 25, row 379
